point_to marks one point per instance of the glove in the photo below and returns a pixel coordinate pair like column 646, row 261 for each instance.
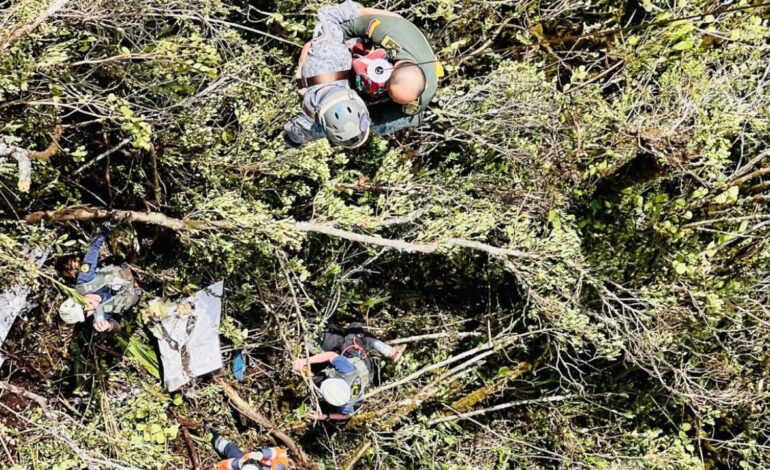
column 108, row 227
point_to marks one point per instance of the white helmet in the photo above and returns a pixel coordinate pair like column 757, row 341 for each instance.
column 336, row 392
column 71, row 311
column 250, row 465
column 344, row 118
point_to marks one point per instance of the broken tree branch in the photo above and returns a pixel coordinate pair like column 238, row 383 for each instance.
column 243, row 407
column 445, row 334
column 503, row 406
column 41, row 401
column 400, row 245
column 23, row 158
column 156, row 218
column 359, row 453
column 55, row 6
column 196, row 463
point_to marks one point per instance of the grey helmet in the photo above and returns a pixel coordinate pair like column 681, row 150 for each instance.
column 344, row 118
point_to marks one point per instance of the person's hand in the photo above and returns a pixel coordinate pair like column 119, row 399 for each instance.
column 298, row 364
column 102, row 326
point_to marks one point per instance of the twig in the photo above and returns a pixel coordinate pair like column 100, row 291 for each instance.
column 477, row 350
column 41, row 401
column 359, row 453
column 727, row 220
column 400, row 245
column 188, row 440
column 23, row 158
column 156, row 218
column 100, row 157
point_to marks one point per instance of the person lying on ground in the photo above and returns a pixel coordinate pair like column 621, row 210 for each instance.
column 330, row 108
column 105, row 291
column 274, row 458
column 349, row 368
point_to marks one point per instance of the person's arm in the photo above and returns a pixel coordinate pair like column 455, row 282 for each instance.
column 301, row 61
column 91, row 259
column 104, row 322
column 327, row 356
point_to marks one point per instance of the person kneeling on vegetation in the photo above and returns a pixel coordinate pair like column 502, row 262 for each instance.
column 344, row 381
column 106, row 291
column 274, row 458
column 330, row 108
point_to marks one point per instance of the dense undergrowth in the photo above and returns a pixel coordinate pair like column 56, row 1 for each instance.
column 626, row 167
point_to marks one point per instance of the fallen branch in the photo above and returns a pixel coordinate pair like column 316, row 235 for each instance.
column 243, row 407
column 359, row 453
column 114, row 149
column 446, row 334
column 156, row 218
column 477, row 350
column 400, row 245
column 727, row 220
column 188, row 440
column 41, row 401
column 23, row 158
column 86, row 213
column 56, row 6
column 503, row 406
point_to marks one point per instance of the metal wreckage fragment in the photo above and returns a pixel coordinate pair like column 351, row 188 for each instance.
column 13, row 301
column 188, row 337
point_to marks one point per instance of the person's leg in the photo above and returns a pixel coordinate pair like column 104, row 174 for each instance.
column 368, row 341
column 91, row 259
column 227, row 449
column 224, row 448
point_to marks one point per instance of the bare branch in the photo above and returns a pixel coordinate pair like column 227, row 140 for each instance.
column 243, row 407
column 51, row 10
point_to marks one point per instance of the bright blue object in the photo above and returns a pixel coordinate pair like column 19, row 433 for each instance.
column 239, row 365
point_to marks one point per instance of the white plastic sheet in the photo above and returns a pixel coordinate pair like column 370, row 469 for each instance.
column 188, row 339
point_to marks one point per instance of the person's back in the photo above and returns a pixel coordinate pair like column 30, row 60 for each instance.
column 412, row 87
column 330, row 108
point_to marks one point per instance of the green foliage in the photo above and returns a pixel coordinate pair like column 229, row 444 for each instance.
column 629, row 167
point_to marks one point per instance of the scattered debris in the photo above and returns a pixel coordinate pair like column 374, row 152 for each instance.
column 188, row 335
column 13, row 301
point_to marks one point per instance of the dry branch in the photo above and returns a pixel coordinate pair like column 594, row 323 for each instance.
column 243, row 407
column 359, row 453
column 55, row 6
column 446, row 334
column 400, row 245
column 503, row 406
column 23, row 158
column 41, row 401
column 156, row 218
column 187, row 439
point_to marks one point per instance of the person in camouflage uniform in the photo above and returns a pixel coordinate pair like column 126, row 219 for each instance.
column 416, row 70
column 107, row 290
